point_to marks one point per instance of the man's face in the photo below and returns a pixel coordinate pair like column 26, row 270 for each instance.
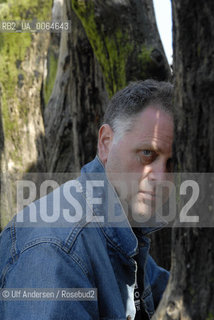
column 139, row 160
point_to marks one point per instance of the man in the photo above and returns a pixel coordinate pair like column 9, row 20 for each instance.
column 99, row 239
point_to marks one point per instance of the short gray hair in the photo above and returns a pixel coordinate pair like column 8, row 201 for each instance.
column 127, row 103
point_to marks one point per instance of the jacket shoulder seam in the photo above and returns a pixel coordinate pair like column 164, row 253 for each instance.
column 37, row 241
column 57, row 243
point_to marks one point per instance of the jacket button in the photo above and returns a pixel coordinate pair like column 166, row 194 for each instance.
column 129, row 318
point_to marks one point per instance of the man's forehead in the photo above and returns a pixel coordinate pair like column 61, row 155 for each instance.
column 152, row 128
column 154, row 112
column 153, row 118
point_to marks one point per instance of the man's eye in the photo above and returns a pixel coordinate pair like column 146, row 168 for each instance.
column 147, row 153
column 147, row 156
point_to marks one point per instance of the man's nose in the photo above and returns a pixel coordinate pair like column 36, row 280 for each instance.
column 158, row 171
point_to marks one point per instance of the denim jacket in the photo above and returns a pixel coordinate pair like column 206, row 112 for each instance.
column 75, row 251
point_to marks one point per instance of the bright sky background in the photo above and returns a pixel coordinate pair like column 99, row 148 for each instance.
column 164, row 22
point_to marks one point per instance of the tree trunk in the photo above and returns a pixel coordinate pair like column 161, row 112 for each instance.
column 76, row 104
column 190, row 293
column 22, row 65
column 110, row 44
column 1, row 151
column 1, row 136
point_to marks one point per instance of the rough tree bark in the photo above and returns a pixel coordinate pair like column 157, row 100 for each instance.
column 1, row 136
column 190, row 293
column 22, row 64
column 1, row 144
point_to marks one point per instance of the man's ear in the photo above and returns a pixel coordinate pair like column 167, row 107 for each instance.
column 105, row 138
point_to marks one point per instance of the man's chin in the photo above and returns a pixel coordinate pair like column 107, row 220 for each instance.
column 141, row 212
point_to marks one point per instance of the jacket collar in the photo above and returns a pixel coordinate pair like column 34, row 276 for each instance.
column 116, row 227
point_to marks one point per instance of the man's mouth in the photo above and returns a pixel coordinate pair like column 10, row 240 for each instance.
column 148, row 195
